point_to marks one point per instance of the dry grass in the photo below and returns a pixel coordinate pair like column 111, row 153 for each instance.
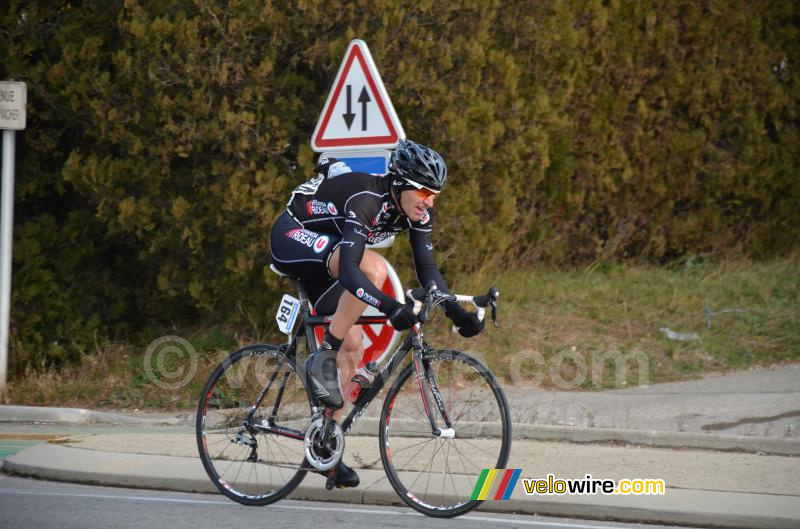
column 577, row 316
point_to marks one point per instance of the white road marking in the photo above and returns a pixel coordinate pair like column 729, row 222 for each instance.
column 479, row 519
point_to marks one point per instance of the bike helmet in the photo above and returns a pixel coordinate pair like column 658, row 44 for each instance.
column 414, row 166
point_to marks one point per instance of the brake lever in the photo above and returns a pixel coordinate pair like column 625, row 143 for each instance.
column 429, row 295
column 430, row 289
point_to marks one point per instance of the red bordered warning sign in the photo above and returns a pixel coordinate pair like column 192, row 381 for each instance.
column 358, row 113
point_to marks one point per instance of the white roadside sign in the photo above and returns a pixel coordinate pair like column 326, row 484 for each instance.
column 13, row 97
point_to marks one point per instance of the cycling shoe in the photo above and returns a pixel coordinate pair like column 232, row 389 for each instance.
column 322, row 377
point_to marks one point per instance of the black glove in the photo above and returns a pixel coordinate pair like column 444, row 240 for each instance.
column 403, row 317
column 467, row 322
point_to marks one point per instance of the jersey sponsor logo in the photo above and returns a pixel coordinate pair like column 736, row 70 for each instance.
column 306, row 237
column 384, row 214
column 317, row 207
column 359, row 232
column 374, row 237
column 321, row 243
column 372, row 300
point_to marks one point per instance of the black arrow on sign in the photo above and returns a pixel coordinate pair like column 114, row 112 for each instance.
column 348, row 118
column 364, row 99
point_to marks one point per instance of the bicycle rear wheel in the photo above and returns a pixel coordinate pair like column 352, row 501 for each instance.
column 437, row 475
column 254, row 456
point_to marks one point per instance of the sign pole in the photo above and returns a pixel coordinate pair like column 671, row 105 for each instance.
column 9, row 140
column 13, row 100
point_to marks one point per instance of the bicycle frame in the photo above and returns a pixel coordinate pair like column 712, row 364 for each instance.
column 412, row 340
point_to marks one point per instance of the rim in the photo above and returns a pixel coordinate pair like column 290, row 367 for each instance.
column 244, row 457
column 437, row 475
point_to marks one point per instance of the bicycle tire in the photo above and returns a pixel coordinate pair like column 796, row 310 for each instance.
column 225, row 439
column 418, row 463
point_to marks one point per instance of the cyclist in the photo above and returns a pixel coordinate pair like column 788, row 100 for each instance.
column 321, row 238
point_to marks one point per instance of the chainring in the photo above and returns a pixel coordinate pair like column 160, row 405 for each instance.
column 323, row 457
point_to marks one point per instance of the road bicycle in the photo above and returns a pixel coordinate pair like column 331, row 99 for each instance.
column 444, row 419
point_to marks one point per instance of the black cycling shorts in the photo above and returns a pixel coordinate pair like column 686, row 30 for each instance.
column 299, row 252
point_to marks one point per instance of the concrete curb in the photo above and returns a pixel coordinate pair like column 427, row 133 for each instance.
column 77, row 416
column 369, row 426
column 678, row 506
column 650, row 438
column 659, row 439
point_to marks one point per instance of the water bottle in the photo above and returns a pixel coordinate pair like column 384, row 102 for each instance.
column 362, row 380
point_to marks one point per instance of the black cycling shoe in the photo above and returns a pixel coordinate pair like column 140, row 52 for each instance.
column 346, row 477
column 322, row 378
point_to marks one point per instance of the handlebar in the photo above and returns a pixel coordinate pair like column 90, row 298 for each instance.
column 424, row 298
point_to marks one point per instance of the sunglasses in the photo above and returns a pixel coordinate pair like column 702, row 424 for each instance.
column 426, row 193
column 422, row 191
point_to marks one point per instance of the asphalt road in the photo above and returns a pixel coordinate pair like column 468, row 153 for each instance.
column 26, row 503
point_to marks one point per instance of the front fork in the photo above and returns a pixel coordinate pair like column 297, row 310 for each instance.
column 432, row 400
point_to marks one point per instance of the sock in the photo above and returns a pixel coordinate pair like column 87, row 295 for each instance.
column 333, row 341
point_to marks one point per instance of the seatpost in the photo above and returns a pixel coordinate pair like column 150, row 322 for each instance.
column 305, row 308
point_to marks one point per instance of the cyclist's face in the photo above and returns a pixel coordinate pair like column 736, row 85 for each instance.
column 416, row 202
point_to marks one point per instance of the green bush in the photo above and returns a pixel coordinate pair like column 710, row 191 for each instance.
column 164, row 137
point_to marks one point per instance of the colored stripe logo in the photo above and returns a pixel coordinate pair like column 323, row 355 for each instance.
column 503, row 487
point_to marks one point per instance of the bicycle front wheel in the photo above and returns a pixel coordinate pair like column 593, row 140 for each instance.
column 250, row 423
column 437, row 475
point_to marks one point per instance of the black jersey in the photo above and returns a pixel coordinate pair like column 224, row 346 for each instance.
column 359, row 207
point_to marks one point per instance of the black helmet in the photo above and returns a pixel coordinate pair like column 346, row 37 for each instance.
column 418, row 165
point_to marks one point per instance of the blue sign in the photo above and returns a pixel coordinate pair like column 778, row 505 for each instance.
column 372, row 164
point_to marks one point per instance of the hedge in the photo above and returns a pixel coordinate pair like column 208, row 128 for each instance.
column 164, row 136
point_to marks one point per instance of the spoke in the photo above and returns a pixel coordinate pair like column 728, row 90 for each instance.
column 452, row 474
column 415, row 403
column 218, row 431
column 467, row 400
column 477, row 447
column 225, row 449
column 446, row 470
column 254, row 470
column 230, row 465
column 413, row 454
column 213, row 444
column 268, row 450
column 277, row 445
column 430, row 466
column 424, row 442
column 464, row 466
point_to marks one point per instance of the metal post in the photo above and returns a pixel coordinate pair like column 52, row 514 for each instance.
column 6, row 232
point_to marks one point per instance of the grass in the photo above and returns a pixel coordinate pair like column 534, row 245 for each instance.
column 583, row 329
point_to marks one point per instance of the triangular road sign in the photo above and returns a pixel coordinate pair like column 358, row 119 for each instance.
column 358, row 113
